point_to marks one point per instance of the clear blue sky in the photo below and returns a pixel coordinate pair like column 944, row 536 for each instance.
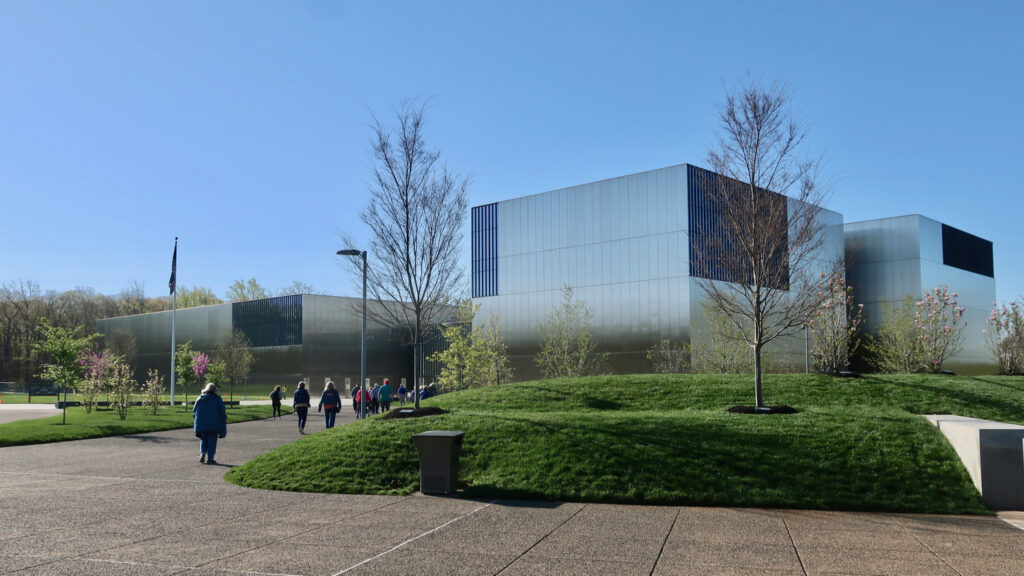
column 242, row 127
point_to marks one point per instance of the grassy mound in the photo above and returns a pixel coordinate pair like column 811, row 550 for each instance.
column 852, row 445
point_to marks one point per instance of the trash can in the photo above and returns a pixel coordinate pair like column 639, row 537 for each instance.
column 439, row 460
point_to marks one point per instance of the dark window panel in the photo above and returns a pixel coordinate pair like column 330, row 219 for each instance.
column 967, row 252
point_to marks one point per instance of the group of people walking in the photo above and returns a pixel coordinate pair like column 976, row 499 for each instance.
column 210, row 416
column 378, row 398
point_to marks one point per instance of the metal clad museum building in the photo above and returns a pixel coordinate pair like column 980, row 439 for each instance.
column 624, row 246
column 292, row 337
column 892, row 258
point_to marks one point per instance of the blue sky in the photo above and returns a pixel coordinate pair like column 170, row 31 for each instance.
column 243, row 127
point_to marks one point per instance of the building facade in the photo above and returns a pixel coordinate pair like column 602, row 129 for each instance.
column 892, row 258
column 622, row 244
column 292, row 338
column 626, row 247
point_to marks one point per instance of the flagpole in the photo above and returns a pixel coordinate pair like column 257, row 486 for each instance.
column 174, row 313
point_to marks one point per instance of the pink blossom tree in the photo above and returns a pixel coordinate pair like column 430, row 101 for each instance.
column 834, row 326
column 940, row 324
column 1004, row 337
column 199, row 364
column 96, row 367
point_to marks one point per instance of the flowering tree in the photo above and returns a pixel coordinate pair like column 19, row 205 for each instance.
column 940, row 324
column 834, row 326
column 153, row 389
column 96, row 366
column 184, row 367
column 1005, row 337
column 199, row 364
column 122, row 386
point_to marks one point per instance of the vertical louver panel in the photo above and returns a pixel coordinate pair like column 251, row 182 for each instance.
column 485, row 250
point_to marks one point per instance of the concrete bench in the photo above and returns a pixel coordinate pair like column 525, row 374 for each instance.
column 992, row 452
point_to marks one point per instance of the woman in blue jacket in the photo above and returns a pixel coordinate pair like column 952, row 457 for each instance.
column 211, row 422
column 300, row 402
column 330, row 403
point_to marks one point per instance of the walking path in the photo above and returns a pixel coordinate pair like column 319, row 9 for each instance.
column 143, row 505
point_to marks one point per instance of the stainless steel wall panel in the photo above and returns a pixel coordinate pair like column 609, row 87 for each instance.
column 622, row 244
column 330, row 344
column 892, row 258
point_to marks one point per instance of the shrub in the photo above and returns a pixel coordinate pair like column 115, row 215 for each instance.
column 669, row 358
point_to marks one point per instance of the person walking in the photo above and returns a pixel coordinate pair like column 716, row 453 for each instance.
column 374, row 401
column 357, row 397
column 330, row 403
column 301, row 404
column 275, row 401
column 385, row 396
column 401, row 393
column 211, row 422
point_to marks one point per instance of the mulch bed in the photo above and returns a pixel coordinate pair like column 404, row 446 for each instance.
column 780, row 409
column 413, row 412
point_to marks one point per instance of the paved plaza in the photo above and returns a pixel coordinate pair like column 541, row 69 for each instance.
column 143, row 505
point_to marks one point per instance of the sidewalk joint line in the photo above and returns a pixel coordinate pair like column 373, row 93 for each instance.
column 542, row 538
column 799, row 558
column 904, row 527
column 665, row 541
column 413, row 539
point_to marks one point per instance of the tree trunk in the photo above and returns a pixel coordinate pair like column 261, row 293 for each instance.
column 758, row 396
column 416, row 364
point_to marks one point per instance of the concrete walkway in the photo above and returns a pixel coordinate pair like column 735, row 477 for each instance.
column 143, row 505
column 13, row 412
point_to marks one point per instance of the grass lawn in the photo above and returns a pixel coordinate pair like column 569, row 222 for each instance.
column 102, row 422
column 22, row 398
column 856, row 444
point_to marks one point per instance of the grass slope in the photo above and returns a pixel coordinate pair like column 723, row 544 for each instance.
column 856, row 444
column 101, row 423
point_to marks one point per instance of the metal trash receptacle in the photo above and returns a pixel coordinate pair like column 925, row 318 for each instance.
column 439, row 460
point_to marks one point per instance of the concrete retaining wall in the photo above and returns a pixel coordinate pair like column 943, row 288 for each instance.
column 992, row 452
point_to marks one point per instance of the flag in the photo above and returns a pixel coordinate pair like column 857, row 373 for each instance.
column 174, row 267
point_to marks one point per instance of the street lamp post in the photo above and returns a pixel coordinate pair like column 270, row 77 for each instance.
column 362, row 362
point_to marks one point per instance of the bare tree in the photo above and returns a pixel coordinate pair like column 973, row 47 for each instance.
column 755, row 250
column 232, row 352
column 299, row 287
column 133, row 298
column 415, row 215
column 122, row 343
